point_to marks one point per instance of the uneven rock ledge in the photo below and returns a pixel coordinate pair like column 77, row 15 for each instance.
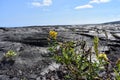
column 33, row 60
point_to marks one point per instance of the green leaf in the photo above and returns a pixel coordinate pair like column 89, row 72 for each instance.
column 96, row 41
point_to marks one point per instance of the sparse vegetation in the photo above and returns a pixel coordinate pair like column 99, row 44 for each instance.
column 80, row 66
column 8, row 58
column 10, row 54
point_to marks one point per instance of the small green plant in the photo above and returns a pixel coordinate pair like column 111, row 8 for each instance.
column 79, row 65
column 117, row 71
column 8, row 58
column 10, row 54
column 96, row 42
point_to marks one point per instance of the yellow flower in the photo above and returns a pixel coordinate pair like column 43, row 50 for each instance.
column 103, row 56
column 53, row 34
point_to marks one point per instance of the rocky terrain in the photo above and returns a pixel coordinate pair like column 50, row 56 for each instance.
column 33, row 60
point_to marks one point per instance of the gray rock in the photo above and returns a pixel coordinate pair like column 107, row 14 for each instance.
column 31, row 44
column 4, row 77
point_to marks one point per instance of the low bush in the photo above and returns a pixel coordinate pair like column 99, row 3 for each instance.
column 80, row 65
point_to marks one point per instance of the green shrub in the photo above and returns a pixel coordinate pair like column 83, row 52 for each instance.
column 80, row 65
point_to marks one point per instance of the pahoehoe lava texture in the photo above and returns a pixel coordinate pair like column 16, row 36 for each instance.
column 33, row 59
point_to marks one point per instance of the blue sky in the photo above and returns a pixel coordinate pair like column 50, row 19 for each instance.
column 16, row 13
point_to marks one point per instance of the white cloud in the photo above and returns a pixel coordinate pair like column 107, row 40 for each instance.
column 89, row 5
column 36, row 4
column 47, row 2
column 99, row 1
column 84, row 6
column 43, row 3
